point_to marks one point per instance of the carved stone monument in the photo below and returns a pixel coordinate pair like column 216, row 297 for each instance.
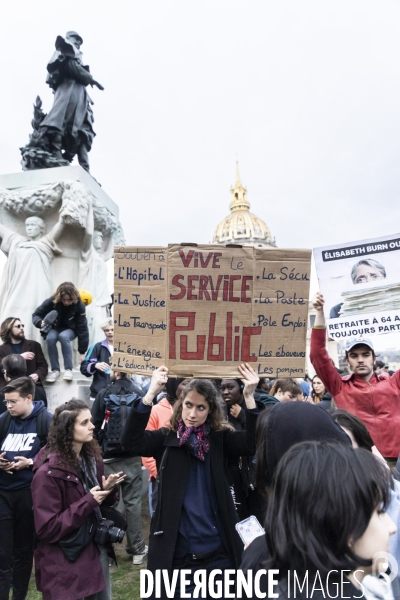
column 55, row 225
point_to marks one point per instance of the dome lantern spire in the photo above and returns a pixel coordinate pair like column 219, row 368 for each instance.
column 238, row 181
column 239, row 194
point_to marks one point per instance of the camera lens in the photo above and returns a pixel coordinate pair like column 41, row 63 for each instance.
column 120, row 535
column 116, row 535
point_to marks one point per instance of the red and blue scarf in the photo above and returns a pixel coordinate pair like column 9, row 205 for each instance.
column 196, row 438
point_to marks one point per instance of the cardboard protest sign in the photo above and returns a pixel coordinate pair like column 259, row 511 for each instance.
column 360, row 282
column 140, row 312
column 203, row 310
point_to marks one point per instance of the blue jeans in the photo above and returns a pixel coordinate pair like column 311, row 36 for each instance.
column 153, row 493
column 65, row 338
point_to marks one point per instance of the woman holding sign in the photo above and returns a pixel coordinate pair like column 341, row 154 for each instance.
column 194, row 523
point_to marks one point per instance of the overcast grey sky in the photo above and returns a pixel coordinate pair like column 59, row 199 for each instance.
column 305, row 94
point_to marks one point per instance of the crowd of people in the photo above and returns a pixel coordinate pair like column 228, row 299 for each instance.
column 312, row 461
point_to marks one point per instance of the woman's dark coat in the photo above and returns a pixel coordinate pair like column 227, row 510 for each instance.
column 326, row 401
column 61, row 506
column 69, row 317
column 174, row 471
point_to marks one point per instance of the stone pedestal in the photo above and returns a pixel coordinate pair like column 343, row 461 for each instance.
column 61, row 391
column 75, row 228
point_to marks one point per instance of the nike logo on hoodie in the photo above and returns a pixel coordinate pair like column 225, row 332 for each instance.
column 18, row 442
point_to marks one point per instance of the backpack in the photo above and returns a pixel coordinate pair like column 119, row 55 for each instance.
column 42, row 427
column 117, row 409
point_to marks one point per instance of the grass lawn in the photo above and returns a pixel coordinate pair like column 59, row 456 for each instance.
column 125, row 577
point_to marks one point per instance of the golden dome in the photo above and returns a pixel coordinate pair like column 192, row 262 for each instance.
column 241, row 226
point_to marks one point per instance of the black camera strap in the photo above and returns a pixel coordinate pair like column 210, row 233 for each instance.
column 88, row 476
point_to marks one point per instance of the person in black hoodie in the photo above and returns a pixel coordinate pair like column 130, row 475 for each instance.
column 20, row 441
column 70, row 323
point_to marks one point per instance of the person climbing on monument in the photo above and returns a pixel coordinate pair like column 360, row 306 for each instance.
column 70, row 323
column 376, row 402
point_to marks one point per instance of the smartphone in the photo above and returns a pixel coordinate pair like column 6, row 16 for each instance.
column 249, row 529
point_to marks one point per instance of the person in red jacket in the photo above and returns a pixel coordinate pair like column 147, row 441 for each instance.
column 375, row 401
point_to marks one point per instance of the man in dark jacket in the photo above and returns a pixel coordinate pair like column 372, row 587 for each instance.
column 126, row 461
column 19, row 443
column 14, row 366
column 71, row 322
column 14, row 342
column 261, row 395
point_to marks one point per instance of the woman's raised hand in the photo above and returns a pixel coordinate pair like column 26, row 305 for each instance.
column 158, row 379
column 112, row 480
column 250, row 380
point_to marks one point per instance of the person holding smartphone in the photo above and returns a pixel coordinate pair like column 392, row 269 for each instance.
column 23, row 431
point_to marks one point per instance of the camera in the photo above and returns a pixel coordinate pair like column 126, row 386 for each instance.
column 107, row 533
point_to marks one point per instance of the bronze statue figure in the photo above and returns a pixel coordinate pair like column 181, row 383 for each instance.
column 67, row 130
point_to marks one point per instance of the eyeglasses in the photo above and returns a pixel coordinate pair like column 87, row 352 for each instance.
column 10, row 402
column 19, row 326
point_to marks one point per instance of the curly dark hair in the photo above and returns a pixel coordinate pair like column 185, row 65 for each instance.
column 66, row 288
column 204, row 387
column 61, row 433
